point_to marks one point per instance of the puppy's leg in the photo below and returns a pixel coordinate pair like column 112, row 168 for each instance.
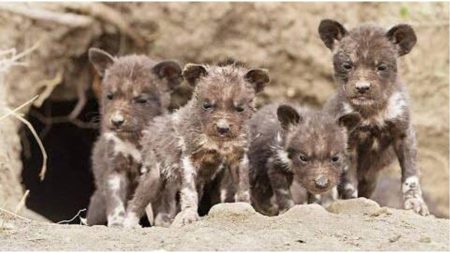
column 116, row 193
column 167, row 206
column 348, row 188
column 281, row 188
column 227, row 187
column 367, row 185
column 96, row 213
column 145, row 194
column 240, row 174
column 188, row 195
column 406, row 150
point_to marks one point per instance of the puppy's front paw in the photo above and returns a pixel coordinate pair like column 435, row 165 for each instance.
column 163, row 220
column 349, row 191
column 187, row 216
column 115, row 224
column 285, row 207
column 131, row 221
column 417, row 205
column 243, row 196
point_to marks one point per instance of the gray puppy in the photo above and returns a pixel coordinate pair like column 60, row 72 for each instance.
column 296, row 144
column 365, row 67
column 187, row 149
column 135, row 89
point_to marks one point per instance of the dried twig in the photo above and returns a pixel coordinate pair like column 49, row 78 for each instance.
column 62, row 119
column 76, row 216
column 49, row 87
column 21, row 203
column 41, row 146
column 67, row 19
column 10, row 112
column 10, row 58
column 14, row 214
column 82, row 87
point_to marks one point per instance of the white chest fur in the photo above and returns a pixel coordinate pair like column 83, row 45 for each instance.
column 124, row 148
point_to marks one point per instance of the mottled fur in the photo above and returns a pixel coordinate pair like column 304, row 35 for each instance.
column 187, row 149
column 135, row 89
column 365, row 64
column 295, row 144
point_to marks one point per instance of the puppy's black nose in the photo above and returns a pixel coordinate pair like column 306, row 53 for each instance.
column 222, row 126
column 362, row 86
column 223, row 130
column 321, row 182
column 362, row 89
column 117, row 120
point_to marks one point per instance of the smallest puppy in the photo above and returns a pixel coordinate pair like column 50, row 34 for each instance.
column 295, row 144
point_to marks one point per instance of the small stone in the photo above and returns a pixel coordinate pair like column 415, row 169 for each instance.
column 381, row 211
column 231, row 210
column 354, row 206
column 425, row 239
column 394, row 238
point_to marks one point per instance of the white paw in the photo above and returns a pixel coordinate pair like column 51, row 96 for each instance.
column 115, row 224
column 185, row 217
column 243, row 197
column 349, row 192
column 131, row 221
column 163, row 220
column 417, row 205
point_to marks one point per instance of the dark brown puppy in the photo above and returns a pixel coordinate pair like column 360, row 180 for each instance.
column 365, row 64
column 295, row 144
column 135, row 89
column 186, row 150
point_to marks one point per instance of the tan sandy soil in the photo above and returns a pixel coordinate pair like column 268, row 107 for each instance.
column 358, row 224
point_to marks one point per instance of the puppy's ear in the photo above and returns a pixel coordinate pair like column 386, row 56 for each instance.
column 100, row 59
column 288, row 116
column 403, row 37
column 259, row 78
column 193, row 72
column 331, row 31
column 349, row 121
column 169, row 70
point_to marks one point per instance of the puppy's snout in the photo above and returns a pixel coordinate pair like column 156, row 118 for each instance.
column 362, row 86
column 222, row 127
column 321, row 182
column 117, row 119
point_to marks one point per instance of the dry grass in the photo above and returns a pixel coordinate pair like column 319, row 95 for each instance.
column 8, row 59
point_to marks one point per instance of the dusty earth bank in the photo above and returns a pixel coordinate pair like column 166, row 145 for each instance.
column 281, row 37
column 358, row 224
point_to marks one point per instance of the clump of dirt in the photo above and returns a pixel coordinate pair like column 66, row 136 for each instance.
column 358, row 224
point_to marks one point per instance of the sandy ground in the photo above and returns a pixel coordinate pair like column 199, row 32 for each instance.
column 358, row 224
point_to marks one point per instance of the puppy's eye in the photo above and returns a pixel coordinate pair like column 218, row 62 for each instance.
column 239, row 108
column 303, row 158
column 109, row 96
column 141, row 100
column 207, row 106
column 382, row 67
column 347, row 65
column 335, row 159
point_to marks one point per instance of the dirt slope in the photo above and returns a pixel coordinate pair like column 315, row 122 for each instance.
column 358, row 224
